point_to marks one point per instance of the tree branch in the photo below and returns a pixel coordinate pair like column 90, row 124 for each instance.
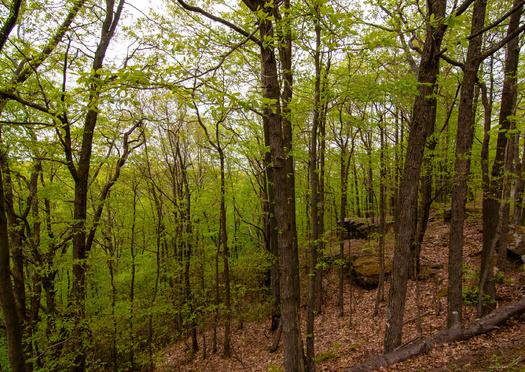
column 498, row 21
column 9, row 22
column 502, row 43
column 237, row 29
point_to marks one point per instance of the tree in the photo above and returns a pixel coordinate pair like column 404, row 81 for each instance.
column 218, row 145
column 406, row 215
column 464, row 138
column 7, row 297
column 491, row 202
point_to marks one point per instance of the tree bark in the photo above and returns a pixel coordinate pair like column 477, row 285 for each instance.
column 314, row 201
column 285, row 182
column 520, row 184
column 380, row 295
column 426, row 195
column 464, row 139
column 492, row 200
column 7, row 298
column 407, row 212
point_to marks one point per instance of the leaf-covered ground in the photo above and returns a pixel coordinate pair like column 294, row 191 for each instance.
column 342, row 342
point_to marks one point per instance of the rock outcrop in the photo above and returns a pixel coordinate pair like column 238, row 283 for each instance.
column 516, row 242
column 365, row 271
column 359, row 228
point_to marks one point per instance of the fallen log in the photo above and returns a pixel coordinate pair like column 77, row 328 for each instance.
column 480, row 326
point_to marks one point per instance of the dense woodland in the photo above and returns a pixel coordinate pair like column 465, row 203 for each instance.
column 170, row 170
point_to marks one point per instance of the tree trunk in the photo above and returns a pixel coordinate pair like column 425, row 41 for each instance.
column 314, row 201
column 464, row 138
column 406, row 218
column 357, row 199
column 382, row 230
column 322, row 205
column 7, row 299
column 225, row 258
column 492, row 200
column 426, row 195
column 505, row 201
column 81, row 178
column 281, row 127
column 520, row 184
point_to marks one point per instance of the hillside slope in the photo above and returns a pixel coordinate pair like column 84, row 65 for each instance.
column 340, row 345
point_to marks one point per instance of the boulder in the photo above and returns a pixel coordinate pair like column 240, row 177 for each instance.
column 516, row 242
column 359, row 228
column 365, row 271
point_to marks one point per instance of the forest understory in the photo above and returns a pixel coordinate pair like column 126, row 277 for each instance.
column 342, row 342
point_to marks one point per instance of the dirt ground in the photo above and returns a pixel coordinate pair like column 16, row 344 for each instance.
column 342, row 342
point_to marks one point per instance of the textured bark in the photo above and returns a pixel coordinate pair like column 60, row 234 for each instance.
column 17, row 232
column 464, row 138
column 426, row 195
column 492, row 200
column 520, row 184
column 342, row 139
column 487, row 324
column 380, row 295
column 314, row 201
column 7, row 298
column 344, row 183
column 322, row 200
column 286, row 224
column 271, row 233
column 9, row 22
column 407, row 212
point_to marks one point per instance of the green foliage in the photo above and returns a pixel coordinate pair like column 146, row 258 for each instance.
column 274, row 368
column 328, row 355
column 4, row 361
column 501, row 278
column 151, row 268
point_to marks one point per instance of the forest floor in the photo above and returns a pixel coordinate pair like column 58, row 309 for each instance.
column 342, row 342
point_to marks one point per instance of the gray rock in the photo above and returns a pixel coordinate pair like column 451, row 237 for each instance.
column 516, row 241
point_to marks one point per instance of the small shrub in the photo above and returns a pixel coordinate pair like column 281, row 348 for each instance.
column 274, row 368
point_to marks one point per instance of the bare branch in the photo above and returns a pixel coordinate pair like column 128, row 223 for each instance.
column 237, row 29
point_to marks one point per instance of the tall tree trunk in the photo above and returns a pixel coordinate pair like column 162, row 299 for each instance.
column 217, row 301
column 492, row 200
column 382, row 225
column 16, row 234
column 271, row 237
column 133, row 253
column 520, row 184
column 322, row 203
column 407, row 213
column 285, row 182
column 226, row 259
column 426, row 195
column 7, row 298
column 342, row 232
column 464, row 139
column 357, row 199
column 342, row 143
column 81, row 178
column 314, row 202
column 505, row 201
